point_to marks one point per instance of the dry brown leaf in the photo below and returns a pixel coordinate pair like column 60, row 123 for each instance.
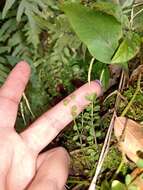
column 135, row 73
column 130, row 137
column 137, row 178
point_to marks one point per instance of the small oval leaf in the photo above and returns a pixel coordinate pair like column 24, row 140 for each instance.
column 117, row 185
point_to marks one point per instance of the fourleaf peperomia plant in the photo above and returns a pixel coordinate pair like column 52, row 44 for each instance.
column 105, row 29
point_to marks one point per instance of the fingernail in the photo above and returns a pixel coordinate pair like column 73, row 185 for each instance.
column 99, row 82
column 101, row 87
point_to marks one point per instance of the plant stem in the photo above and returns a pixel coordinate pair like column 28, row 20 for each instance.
column 118, row 169
column 92, row 122
column 79, row 136
column 90, row 69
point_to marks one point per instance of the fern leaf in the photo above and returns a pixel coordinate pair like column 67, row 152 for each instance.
column 18, row 50
column 4, row 70
column 0, row 16
column 32, row 30
column 6, row 26
column 2, row 59
column 21, row 10
column 15, row 39
column 7, row 6
column 4, row 49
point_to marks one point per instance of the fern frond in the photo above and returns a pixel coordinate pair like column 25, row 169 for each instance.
column 6, row 28
column 21, row 10
column 4, row 70
column 7, row 6
column 4, row 49
column 32, row 32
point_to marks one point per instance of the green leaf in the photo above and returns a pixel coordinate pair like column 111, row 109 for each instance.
column 117, row 185
column 128, row 179
column 99, row 31
column 140, row 163
column 75, row 138
column 128, row 48
column 7, row 6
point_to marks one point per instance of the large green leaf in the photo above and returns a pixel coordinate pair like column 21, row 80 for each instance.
column 98, row 30
column 128, row 48
column 110, row 8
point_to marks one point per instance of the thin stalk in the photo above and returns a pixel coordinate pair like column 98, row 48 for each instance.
column 78, row 133
column 90, row 69
column 22, row 113
column 92, row 122
column 28, row 105
column 140, row 11
column 118, row 169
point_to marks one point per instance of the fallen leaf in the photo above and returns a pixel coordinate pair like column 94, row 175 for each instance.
column 136, row 72
column 137, row 176
column 130, row 137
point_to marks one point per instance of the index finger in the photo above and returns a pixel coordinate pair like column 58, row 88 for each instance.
column 11, row 93
column 46, row 128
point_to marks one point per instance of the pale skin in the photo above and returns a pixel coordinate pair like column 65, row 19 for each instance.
column 21, row 165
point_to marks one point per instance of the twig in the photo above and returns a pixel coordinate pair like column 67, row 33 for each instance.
column 22, row 113
column 137, row 13
column 28, row 105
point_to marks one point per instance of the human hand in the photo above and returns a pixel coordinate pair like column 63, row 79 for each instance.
column 21, row 166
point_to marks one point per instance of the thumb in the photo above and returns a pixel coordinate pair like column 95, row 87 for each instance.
column 52, row 170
